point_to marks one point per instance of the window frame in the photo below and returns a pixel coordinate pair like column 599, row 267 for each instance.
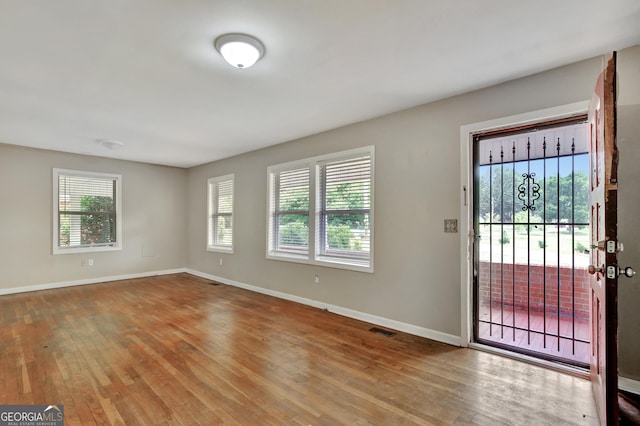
column 323, row 252
column 117, row 245
column 273, row 213
column 211, row 224
column 316, row 254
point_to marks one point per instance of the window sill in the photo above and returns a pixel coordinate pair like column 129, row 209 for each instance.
column 352, row 265
column 90, row 249
column 329, row 263
column 220, row 249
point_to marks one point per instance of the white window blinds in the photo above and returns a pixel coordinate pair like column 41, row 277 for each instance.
column 344, row 214
column 87, row 210
column 220, row 222
column 289, row 225
column 321, row 210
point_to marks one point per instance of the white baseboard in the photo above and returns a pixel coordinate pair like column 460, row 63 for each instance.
column 629, row 385
column 50, row 286
column 362, row 316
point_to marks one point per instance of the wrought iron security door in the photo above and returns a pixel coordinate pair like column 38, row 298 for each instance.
column 532, row 239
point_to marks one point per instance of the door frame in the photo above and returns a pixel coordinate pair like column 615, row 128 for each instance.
column 466, row 206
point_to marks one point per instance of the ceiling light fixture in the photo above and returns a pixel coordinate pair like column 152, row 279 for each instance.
column 239, row 50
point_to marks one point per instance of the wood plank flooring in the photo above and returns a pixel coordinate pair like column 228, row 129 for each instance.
column 177, row 350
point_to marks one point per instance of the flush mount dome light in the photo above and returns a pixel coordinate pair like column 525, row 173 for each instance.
column 240, row 50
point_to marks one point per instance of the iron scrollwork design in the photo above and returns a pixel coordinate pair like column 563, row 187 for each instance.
column 529, row 191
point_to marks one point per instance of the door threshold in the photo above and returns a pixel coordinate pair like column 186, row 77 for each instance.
column 551, row 365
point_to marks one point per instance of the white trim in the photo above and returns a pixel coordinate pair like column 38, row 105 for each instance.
column 629, row 385
column 342, row 264
column 350, row 313
column 466, row 208
column 56, row 206
column 62, row 284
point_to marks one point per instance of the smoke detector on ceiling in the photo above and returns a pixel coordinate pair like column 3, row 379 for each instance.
column 110, row 144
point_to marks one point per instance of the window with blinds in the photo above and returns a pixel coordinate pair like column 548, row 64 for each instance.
column 344, row 213
column 290, row 211
column 86, row 211
column 220, row 215
column 321, row 210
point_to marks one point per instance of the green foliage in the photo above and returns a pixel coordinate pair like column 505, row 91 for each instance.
column 347, row 196
column 498, row 203
column 65, row 231
column 523, row 217
column 494, row 201
column 541, row 244
column 99, row 226
column 294, row 228
column 296, row 199
column 505, row 238
column 581, row 248
column 294, row 234
column 339, row 237
column 581, row 198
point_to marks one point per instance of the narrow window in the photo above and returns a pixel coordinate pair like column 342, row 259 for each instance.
column 344, row 213
column 289, row 215
column 87, row 212
column 220, row 217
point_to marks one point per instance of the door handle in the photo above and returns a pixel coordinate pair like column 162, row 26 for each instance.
column 627, row 272
column 612, row 271
column 593, row 270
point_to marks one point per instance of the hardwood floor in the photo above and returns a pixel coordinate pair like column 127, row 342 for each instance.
column 178, row 350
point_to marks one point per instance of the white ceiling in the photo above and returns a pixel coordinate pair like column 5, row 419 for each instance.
column 145, row 72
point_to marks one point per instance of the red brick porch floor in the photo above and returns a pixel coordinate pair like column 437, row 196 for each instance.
column 502, row 332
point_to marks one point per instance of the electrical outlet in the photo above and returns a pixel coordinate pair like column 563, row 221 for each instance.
column 316, row 278
column 220, row 261
column 90, row 262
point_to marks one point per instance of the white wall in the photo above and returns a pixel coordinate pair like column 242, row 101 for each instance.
column 629, row 210
column 154, row 218
column 417, row 265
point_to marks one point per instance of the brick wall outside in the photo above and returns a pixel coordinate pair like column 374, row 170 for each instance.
column 534, row 292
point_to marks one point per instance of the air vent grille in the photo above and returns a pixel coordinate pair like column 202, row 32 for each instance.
column 381, row 331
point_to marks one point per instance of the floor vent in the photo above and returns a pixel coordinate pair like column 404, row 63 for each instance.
column 213, row 283
column 381, row 331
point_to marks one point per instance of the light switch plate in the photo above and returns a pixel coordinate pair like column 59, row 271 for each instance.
column 451, row 225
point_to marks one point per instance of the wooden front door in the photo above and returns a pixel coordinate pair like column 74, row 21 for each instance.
column 604, row 244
